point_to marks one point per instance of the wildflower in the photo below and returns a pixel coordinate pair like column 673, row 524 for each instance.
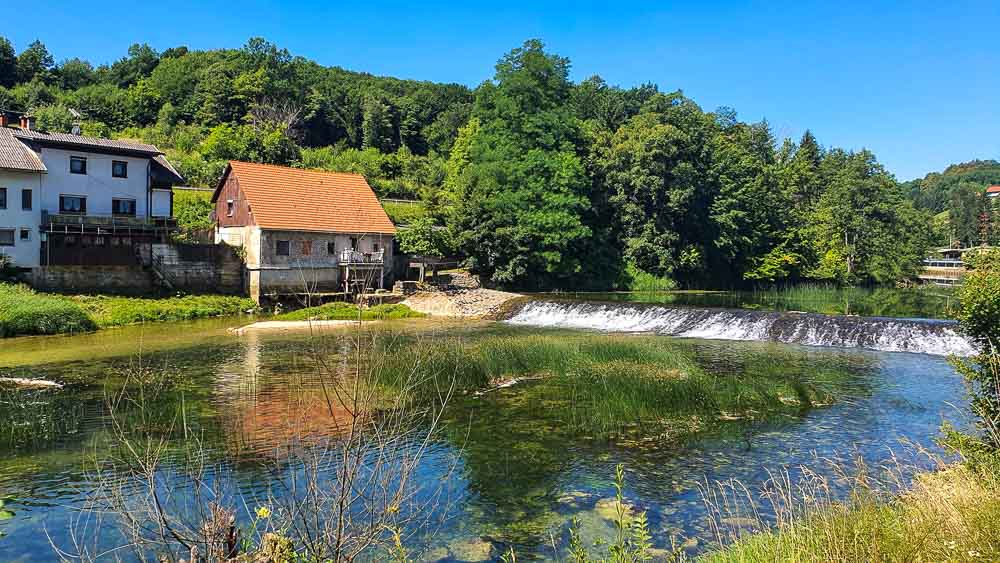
column 392, row 508
column 974, row 553
column 263, row 512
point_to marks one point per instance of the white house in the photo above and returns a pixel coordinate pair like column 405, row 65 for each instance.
column 75, row 200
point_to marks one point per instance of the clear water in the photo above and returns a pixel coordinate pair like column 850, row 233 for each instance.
column 510, row 479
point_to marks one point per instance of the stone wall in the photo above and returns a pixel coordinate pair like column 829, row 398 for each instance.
column 126, row 280
column 200, row 268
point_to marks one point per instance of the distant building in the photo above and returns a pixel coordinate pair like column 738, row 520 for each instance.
column 303, row 231
column 71, row 200
column 993, row 191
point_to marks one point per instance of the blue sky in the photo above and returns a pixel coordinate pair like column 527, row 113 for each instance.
column 918, row 83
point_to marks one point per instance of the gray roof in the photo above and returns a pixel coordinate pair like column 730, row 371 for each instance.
column 169, row 168
column 85, row 142
column 14, row 155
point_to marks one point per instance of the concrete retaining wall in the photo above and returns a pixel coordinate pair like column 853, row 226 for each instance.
column 126, row 280
column 200, row 268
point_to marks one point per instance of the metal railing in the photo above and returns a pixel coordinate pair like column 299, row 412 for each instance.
column 348, row 257
column 60, row 221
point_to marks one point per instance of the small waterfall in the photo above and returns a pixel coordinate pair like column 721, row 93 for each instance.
column 875, row 333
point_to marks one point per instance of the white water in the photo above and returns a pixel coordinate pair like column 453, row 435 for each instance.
column 891, row 335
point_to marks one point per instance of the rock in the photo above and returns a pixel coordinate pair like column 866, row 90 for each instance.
column 739, row 522
column 25, row 383
column 471, row 550
column 607, row 508
column 436, row 554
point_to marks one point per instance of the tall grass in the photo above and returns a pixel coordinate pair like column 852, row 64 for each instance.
column 949, row 515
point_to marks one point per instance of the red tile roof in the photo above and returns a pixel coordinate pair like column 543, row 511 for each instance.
column 291, row 199
column 993, row 190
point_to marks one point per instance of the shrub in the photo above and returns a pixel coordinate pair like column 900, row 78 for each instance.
column 980, row 317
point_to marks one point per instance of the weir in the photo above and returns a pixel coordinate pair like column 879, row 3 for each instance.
column 922, row 336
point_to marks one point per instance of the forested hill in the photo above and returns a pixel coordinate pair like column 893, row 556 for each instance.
column 539, row 181
column 934, row 191
column 962, row 215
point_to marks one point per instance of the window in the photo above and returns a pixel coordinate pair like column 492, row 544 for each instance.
column 6, row 237
column 3, row 198
column 374, row 247
column 307, row 247
column 25, row 234
column 230, row 208
column 283, row 248
column 119, row 169
column 123, row 207
column 26, row 200
column 72, row 204
column 77, row 165
column 331, row 248
column 354, row 243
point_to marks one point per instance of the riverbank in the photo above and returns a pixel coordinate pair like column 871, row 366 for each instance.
column 948, row 515
column 26, row 312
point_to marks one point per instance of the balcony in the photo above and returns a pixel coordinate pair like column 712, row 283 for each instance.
column 354, row 258
column 104, row 224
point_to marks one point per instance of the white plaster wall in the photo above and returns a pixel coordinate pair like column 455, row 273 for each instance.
column 24, row 253
column 161, row 203
column 97, row 184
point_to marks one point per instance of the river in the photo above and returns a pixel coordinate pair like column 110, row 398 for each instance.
column 495, row 477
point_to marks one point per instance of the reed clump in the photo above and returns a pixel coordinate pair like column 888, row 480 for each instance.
column 601, row 385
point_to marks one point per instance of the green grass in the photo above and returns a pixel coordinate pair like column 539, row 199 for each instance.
column 24, row 311
column 404, row 213
column 341, row 311
column 110, row 311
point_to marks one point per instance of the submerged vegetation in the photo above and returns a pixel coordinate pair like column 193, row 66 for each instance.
column 24, row 311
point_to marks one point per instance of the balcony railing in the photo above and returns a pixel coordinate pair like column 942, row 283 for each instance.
column 78, row 222
column 353, row 257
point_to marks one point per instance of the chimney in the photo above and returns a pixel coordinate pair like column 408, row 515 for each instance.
column 3, row 119
column 27, row 122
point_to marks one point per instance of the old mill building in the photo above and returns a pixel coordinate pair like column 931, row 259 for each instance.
column 303, row 231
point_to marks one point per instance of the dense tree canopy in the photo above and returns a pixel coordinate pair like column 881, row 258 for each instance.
column 533, row 180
